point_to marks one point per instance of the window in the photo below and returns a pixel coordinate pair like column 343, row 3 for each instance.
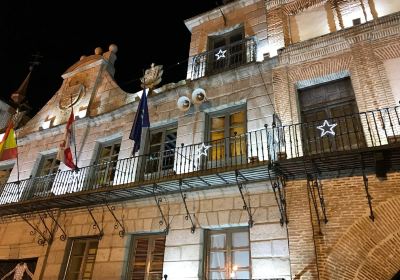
column 146, row 262
column 226, row 51
column 161, row 151
column 45, row 175
column 5, row 174
column 227, row 135
column 356, row 21
column 80, row 259
column 106, row 165
column 228, row 254
column 334, row 102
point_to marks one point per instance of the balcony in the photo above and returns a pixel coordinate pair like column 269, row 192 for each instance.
column 345, row 145
column 222, row 59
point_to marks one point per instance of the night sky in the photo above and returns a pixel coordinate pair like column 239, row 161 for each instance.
column 60, row 32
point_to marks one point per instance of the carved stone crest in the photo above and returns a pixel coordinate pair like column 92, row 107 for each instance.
column 152, row 76
column 71, row 95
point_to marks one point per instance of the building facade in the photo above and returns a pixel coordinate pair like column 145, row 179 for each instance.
column 276, row 158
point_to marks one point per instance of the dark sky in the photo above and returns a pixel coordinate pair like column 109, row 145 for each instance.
column 62, row 31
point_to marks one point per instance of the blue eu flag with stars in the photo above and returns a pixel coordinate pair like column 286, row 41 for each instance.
column 141, row 121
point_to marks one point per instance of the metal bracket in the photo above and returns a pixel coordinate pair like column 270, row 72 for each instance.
column 63, row 236
column 278, row 186
column 117, row 223
column 158, row 202
column 35, row 229
column 320, row 191
column 368, row 196
column 187, row 217
column 245, row 206
column 95, row 225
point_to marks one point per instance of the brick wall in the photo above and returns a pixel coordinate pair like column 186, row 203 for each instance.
column 350, row 245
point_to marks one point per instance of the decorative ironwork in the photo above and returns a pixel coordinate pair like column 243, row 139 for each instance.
column 246, row 206
column 368, row 196
column 164, row 220
column 63, row 236
column 133, row 177
column 117, row 223
column 45, row 235
column 278, row 186
column 187, row 216
column 95, row 223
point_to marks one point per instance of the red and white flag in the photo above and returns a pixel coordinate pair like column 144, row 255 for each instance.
column 64, row 152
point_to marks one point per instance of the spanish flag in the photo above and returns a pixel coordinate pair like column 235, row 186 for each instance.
column 8, row 146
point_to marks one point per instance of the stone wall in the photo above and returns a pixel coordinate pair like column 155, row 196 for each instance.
column 184, row 257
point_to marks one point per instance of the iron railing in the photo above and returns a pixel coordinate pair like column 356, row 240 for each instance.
column 223, row 58
column 272, row 143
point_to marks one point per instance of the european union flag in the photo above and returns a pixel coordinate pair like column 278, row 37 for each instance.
column 141, row 121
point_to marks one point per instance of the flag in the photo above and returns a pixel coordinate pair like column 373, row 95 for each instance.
column 141, row 121
column 8, row 146
column 64, row 152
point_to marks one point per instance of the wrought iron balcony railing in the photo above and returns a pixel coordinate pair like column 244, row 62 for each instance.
column 352, row 133
column 223, row 58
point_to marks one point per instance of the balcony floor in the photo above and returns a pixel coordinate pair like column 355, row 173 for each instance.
column 339, row 164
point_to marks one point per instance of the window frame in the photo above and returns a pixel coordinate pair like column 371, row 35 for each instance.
column 106, row 165
column 160, row 165
column 6, row 167
column 67, row 256
column 242, row 157
column 228, row 249
column 226, row 42
column 350, row 122
column 132, row 252
column 42, row 183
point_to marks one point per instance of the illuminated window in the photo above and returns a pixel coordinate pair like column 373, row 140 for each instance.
column 106, row 163
column 228, row 254
column 80, row 259
column 146, row 262
column 227, row 134
column 162, row 150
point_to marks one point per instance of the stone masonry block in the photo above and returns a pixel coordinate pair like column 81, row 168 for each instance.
column 182, row 269
column 270, row 268
column 267, row 232
column 280, row 248
column 191, row 252
column 261, row 249
column 172, row 254
column 183, row 237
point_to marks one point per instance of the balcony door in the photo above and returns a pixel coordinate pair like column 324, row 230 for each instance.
column 45, row 176
column 104, row 170
column 161, row 158
column 226, row 51
column 332, row 107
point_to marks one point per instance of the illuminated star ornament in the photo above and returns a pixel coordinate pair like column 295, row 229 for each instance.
column 202, row 151
column 327, row 128
column 220, row 54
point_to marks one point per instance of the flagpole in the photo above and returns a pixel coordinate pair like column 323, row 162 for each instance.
column 16, row 144
column 73, row 135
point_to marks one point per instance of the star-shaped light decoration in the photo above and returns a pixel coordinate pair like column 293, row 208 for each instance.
column 327, row 128
column 202, row 151
column 220, row 54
